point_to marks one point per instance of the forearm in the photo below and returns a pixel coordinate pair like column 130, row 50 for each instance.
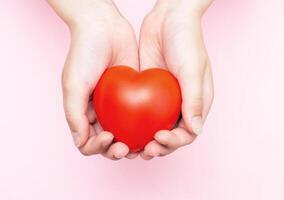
column 75, row 12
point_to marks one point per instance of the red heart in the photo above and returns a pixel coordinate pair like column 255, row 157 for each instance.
column 135, row 105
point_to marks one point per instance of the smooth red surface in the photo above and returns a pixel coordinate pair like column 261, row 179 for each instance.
column 135, row 105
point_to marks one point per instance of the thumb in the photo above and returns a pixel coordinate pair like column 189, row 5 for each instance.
column 191, row 83
column 75, row 100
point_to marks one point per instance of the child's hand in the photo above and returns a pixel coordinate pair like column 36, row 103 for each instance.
column 100, row 37
column 171, row 36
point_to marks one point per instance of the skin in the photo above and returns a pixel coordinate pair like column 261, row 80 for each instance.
column 101, row 37
column 170, row 36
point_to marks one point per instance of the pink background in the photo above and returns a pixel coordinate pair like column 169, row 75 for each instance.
column 239, row 156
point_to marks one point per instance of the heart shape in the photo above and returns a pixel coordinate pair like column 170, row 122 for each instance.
column 135, row 105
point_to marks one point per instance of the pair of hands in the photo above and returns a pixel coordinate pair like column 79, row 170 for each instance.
column 171, row 37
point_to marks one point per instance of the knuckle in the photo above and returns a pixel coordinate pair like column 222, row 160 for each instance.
column 65, row 77
column 71, row 83
column 196, row 103
column 68, row 85
column 69, row 116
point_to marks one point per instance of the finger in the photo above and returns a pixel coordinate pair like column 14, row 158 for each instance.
column 132, row 155
column 191, row 83
column 91, row 113
column 153, row 149
column 208, row 92
column 98, row 127
column 116, row 151
column 75, row 98
column 174, row 139
column 145, row 157
column 92, row 131
column 97, row 144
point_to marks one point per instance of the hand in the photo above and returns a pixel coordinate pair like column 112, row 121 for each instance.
column 171, row 37
column 100, row 37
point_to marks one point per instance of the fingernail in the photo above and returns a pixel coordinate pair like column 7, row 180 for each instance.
column 196, row 124
column 155, row 154
column 76, row 139
column 118, row 156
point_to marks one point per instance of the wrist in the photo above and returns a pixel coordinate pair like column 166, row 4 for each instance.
column 190, row 8
column 88, row 14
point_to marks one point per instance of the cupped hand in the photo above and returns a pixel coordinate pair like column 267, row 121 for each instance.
column 100, row 37
column 171, row 37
